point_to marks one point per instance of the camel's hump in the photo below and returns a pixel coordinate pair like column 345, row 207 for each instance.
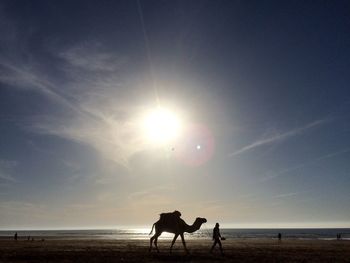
column 170, row 214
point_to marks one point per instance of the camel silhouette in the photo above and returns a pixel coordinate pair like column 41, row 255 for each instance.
column 172, row 223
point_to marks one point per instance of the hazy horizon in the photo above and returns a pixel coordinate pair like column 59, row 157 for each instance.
column 112, row 112
column 206, row 227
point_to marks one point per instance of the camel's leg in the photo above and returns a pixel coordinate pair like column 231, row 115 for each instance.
column 150, row 244
column 151, row 241
column 155, row 241
column 183, row 242
column 173, row 242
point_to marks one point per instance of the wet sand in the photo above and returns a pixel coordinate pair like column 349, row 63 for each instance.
column 236, row 250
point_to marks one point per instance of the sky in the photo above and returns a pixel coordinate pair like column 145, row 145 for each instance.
column 260, row 90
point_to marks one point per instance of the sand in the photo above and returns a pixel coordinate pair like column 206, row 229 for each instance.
column 236, row 250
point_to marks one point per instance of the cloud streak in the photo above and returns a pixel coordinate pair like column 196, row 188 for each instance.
column 94, row 108
column 27, row 78
column 278, row 137
column 305, row 164
column 88, row 56
column 7, row 177
column 5, row 170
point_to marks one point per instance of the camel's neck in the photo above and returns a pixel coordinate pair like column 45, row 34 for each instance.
column 194, row 227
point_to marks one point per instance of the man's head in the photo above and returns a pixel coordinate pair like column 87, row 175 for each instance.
column 217, row 225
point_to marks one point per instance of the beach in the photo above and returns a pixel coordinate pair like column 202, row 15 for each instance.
column 236, row 250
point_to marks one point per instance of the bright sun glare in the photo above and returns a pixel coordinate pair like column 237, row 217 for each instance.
column 162, row 125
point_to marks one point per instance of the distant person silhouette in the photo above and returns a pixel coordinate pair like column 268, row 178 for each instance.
column 216, row 238
column 16, row 236
column 279, row 236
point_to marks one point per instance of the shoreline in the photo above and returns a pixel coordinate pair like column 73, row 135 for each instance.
column 231, row 239
column 126, row 250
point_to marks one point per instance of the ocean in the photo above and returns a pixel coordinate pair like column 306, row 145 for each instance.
column 204, row 233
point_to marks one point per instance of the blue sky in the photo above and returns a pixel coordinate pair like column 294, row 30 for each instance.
column 262, row 87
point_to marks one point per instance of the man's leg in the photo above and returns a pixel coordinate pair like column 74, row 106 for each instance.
column 222, row 252
column 215, row 242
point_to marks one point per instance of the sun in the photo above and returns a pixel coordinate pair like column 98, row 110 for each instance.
column 162, row 125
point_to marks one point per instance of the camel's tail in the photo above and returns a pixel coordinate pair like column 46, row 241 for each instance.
column 151, row 229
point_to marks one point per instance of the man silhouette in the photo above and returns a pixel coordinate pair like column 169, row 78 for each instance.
column 216, row 238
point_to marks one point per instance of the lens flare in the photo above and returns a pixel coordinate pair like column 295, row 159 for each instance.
column 196, row 147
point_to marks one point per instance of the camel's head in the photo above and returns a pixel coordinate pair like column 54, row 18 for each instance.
column 201, row 220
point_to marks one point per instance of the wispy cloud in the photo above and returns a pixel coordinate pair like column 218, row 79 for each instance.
column 92, row 57
column 28, row 77
column 5, row 170
column 25, row 212
column 305, row 164
column 6, row 177
column 279, row 137
column 94, row 108
column 160, row 189
column 18, row 206
column 286, row 195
